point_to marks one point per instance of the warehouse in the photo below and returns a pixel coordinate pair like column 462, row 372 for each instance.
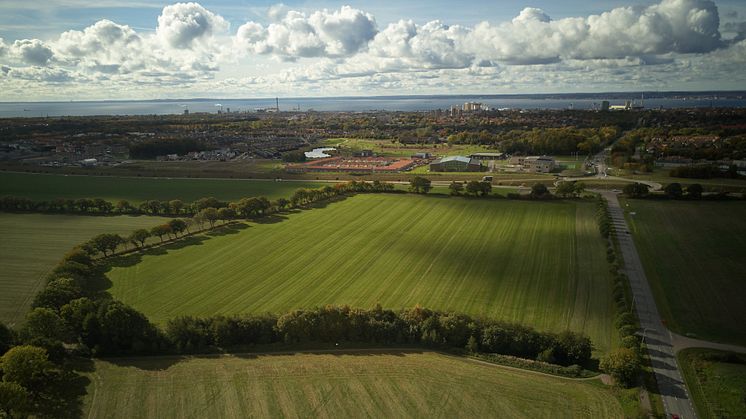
column 456, row 164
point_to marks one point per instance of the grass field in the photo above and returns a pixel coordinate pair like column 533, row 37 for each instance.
column 397, row 149
column 693, row 253
column 32, row 244
column 38, row 186
column 381, row 384
column 541, row 264
column 718, row 388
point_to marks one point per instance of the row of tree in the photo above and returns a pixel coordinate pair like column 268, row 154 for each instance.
column 244, row 208
column 705, row 172
column 379, row 326
column 564, row 140
column 174, row 207
column 674, row 190
column 623, row 363
column 473, row 187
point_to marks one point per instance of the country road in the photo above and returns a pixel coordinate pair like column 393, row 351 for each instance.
column 659, row 341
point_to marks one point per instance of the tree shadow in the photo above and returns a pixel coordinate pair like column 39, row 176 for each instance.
column 64, row 398
column 227, row 229
column 270, row 219
column 162, row 363
column 150, row 363
column 337, row 352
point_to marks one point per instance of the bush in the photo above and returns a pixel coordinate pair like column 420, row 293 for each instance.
column 631, row 342
column 623, row 365
column 627, row 330
column 624, row 319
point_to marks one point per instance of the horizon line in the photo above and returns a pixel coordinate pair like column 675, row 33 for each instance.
column 412, row 96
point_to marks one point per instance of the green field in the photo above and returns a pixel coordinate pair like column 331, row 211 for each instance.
column 397, row 149
column 661, row 175
column 32, row 244
column 541, row 264
column 378, row 384
column 693, row 253
column 134, row 189
column 718, row 388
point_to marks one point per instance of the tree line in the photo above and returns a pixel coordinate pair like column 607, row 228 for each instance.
column 623, row 363
column 245, row 207
column 161, row 147
column 675, row 190
column 564, row 140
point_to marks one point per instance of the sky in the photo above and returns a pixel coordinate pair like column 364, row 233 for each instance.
column 143, row 49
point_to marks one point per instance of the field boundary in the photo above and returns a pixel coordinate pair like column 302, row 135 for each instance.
column 330, row 351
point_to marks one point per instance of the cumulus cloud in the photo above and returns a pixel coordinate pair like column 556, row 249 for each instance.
column 32, row 52
column 672, row 26
column 433, row 45
column 294, row 34
column 343, row 50
column 104, row 46
column 181, row 25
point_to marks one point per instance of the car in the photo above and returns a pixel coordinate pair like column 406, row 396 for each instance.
column 675, row 416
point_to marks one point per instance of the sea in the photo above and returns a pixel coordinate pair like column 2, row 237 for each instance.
column 666, row 100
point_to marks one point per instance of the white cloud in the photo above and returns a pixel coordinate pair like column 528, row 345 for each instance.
column 181, row 25
column 342, row 51
column 104, row 46
column 32, row 52
column 295, row 34
column 680, row 26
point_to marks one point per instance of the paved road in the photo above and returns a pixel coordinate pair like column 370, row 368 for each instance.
column 683, row 342
column 657, row 337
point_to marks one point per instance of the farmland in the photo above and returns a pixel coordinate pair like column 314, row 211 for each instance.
column 134, row 189
column 397, row 149
column 693, row 258
column 378, row 384
column 32, row 245
column 541, row 264
column 717, row 381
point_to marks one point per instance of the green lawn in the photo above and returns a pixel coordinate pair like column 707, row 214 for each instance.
column 694, row 258
column 134, row 189
column 32, row 244
column 378, row 384
column 716, row 381
column 541, row 264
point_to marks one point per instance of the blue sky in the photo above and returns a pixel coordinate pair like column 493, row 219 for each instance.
column 148, row 49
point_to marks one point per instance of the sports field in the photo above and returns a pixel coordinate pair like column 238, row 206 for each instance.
column 380, row 384
column 32, row 244
column 542, row 264
column 717, row 382
column 134, row 189
column 694, row 257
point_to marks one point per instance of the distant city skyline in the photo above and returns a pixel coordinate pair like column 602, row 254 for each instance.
column 112, row 49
